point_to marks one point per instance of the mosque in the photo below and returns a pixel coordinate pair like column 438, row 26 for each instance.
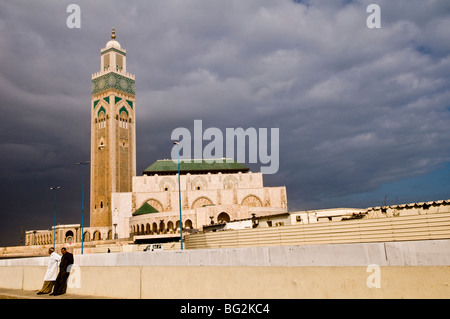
column 167, row 199
column 124, row 205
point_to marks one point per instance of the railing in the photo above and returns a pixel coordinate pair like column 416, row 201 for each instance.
column 402, row 228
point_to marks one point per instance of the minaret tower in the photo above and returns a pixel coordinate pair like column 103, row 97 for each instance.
column 113, row 131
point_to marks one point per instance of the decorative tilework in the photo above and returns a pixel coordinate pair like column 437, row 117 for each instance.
column 123, row 109
column 113, row 80
column 102, row 109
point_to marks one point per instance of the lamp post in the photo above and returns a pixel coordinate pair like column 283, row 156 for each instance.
column 54, row 188
column 82, row 205
column 179, row 194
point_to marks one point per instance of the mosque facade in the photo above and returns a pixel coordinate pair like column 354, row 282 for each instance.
column 123, row 205
column 200, row 195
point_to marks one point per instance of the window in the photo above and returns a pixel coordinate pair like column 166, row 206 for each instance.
column 123, row 143
column 123, row 120
column 119, row 62
column 101, row 120
column 106, row 62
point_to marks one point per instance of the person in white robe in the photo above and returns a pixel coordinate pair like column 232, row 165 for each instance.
column 51, row 273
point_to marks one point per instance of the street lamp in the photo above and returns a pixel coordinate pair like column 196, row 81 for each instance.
column 54, row 188
column 82, row 205
column 179, row 194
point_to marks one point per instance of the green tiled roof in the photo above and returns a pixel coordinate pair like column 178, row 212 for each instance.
column 145, row 209
column 166, row 167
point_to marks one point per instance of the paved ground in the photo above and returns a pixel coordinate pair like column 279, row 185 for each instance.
column 31, row 294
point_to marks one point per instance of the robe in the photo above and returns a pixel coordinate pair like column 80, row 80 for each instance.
column 52, row 267
column 61, row 280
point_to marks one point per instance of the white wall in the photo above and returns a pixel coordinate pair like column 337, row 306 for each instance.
column 408, row 253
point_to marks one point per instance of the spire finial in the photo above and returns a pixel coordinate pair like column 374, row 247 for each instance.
column 113, row 35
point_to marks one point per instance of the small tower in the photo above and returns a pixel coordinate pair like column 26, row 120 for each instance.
column 113, row 131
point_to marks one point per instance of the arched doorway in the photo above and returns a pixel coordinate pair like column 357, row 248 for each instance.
column 223, row 218
column 69, row 237
column 170, row 227
column 97, row 235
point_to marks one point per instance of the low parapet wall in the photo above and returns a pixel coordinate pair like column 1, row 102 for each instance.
column 407, row 253
column 389, row 229
column 377, row 270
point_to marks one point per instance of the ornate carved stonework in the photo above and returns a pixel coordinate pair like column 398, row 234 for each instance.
column 199, row 183
column 251, row 201
column 200, row 202
column 156, row 204
column 230, row 182
column 168, row 183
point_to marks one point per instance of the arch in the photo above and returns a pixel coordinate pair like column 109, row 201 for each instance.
column 154, row 227
column 123, row 117
column 168, row 183
column 87, row 236
column 199, row 183
column 223, row 218
column 123, row 109
column 155, row 204
column 148, row 229
column 68, row 238
column 230, row 182
column 251, row 201
column 177, row 226
column 96, row 235
column 201, row 201
column 162, row 227
column 170, row 226
column 102, row 115
column 100, row 110
column 188, row 223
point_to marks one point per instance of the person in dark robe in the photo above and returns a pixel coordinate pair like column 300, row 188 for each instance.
column 63, row 275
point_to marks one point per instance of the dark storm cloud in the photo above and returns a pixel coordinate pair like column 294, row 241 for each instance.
column 356, row 107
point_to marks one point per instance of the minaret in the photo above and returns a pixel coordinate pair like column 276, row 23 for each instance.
column 113, row 131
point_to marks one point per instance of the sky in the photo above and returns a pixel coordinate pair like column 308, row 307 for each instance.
column 363, row 113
